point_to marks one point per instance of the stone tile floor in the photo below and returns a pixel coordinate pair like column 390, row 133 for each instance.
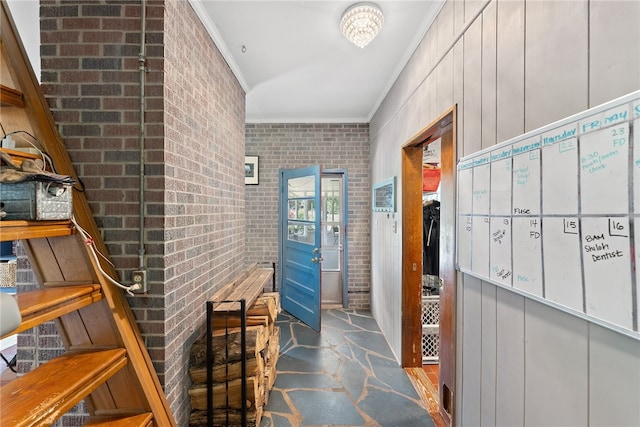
column 344, row 376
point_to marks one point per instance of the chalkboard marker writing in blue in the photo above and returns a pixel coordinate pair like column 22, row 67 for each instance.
column 547, row 140
column 620, row 116
column 501, row 155
column 528, row 147
column 593, row 162
column 522, row 175
column 567, row 146
column 595, row 124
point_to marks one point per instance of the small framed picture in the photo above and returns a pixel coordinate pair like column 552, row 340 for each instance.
column 251, row 170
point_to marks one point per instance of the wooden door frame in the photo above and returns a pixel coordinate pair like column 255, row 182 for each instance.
column 444, row 127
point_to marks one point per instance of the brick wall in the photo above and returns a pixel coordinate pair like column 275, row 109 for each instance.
column 204, row 186
column 290, row 146
column 194, row 154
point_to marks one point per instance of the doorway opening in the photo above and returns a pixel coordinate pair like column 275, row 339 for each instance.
column 300, row 244
column 333, row 221
column 312, row 228
column 429, row 292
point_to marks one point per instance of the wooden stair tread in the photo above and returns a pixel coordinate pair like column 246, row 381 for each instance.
column 10, row 97
column 46, row 393
column 21, row 230
column 46, row 304
column 19, row 155
column 140, row 420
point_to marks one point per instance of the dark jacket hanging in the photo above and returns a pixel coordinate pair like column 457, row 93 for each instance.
column 431, row 238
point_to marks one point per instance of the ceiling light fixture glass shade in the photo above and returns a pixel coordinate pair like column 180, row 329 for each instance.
column 361, row 23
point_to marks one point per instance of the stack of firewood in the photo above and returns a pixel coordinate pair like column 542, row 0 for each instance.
column 263, row 347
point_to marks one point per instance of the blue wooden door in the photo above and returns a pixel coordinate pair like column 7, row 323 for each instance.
column 300, row 251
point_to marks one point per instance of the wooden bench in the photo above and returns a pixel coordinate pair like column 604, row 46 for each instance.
column 248, row 286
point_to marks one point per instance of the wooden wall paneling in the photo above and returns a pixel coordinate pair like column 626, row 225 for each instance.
column 488, row 76
column 444, row 83
column 459, row 348
column 614, row 68
column 458, row 94
column 613, row 393
column 458, row 16
column 73, row 337
column 431, row 41
column 430, row 105
column 422, row 62
column 130, row 392
column 509, row 358
column 556, row 369
column 469, row 408
column 488, row 355
column 445, row 35
column 73, row 259
column 472, row 8
column 472, row 107
column 94, row 320
column 413, row 114
column 556, row 54
column 47, row 268
column 509, row 70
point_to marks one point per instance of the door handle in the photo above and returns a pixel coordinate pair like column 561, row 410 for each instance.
column 316, row 259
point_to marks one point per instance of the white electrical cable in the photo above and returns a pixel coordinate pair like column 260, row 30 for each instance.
column 45, row 158
column 94, row 252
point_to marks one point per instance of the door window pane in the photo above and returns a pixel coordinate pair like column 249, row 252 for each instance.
column 301, row 232
column 301, row 215
column 302, row 187
column 330, row 259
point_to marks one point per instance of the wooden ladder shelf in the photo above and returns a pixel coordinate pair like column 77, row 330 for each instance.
column 105, row 363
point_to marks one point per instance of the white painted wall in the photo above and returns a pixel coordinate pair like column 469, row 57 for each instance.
column 511, row 67
column 26, row 15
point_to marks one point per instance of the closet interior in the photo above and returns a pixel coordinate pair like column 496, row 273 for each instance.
column 431, row 281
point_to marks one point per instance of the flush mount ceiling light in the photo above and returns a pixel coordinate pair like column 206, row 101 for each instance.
column 361, row 23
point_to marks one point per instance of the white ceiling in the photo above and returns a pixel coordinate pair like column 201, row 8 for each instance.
column 298, row 67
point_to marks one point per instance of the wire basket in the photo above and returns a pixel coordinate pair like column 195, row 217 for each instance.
column 7, row 274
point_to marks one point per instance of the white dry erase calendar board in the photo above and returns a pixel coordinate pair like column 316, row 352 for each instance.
column 554, row 214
